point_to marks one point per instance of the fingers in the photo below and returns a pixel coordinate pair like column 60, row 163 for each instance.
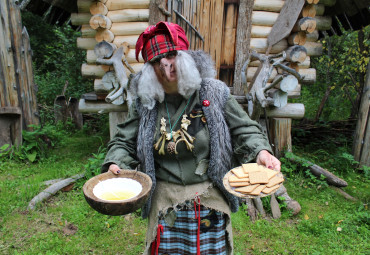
column 114, row 169
column 276, row 164
column 268, row 160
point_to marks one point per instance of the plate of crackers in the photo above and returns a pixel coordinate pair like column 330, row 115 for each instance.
column 252, row 181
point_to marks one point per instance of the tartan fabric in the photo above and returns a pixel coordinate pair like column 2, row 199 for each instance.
column 157, row 45
column 181, row 238
column 175, row 38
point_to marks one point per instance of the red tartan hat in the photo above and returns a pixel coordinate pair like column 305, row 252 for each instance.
column 161, row 38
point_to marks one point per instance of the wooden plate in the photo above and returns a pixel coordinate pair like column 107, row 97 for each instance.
column 242, row 195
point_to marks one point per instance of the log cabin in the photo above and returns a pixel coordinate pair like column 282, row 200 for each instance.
column 226, row 29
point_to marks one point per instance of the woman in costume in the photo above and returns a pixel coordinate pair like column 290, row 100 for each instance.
column 185, row 131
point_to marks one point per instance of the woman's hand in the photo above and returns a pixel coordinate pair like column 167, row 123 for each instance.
column 114, row 169
column 266, row 159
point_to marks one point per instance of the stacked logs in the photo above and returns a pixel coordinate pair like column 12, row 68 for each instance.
column 116, row 22
column 300, row 46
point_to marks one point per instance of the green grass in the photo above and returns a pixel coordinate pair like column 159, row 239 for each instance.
column 65, row 224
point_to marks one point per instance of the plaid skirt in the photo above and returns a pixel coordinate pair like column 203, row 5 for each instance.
column 196, row 228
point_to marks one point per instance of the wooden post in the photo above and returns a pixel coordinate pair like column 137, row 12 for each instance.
column 17, row 88
column 243, row 36
column 280, row 135
column 155, row 14
column 361, row 147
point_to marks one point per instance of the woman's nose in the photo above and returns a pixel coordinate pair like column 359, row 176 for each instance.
column 167, row 62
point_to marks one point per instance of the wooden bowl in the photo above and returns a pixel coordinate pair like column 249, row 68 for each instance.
column 120, row 207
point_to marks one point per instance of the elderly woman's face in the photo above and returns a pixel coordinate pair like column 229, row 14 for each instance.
column 165, row 68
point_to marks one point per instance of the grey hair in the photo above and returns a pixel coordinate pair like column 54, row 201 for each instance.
column 150, row 90
column 188, row 77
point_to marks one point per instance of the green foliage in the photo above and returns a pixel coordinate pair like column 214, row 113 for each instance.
column 36, row 144
column 327, row 224
column 56, row 60
column 93, row 165
column 341, row 68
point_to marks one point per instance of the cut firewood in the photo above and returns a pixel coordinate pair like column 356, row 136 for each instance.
column 323, row 23
column 298, row 38
column 296, row 53
column 309, row 11
column 275, row 208
column 52, row 189
column 318, row 171
column 292, row 205
column 306, row 24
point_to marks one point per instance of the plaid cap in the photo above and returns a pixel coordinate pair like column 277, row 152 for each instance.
column 161, row 38
column 157, row 45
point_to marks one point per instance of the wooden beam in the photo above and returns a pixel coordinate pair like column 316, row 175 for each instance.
column 260, row 31
column 87, row 31
column 91, row 57
column 314, row 49
column 268, row 5
column 312, row 37
column 130, row 39
column 86, row 43
column 320, row 9
column 127, row 15
column 127, row 4
column 100, row 107
column 328, row 2
column 323, row 23
column 262, row 18
column 294, row 111
column 78, row 19
column 129, row 28
column 260, row 45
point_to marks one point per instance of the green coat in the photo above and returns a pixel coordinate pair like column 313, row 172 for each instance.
column 187, row 167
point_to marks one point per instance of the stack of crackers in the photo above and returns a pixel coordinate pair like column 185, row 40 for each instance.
column 252, row 179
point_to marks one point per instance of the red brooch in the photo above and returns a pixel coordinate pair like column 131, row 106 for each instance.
column 206, row 103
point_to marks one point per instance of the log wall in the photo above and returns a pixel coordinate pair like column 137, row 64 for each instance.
column 18, row 105
column 212, row 26
column 115, row 21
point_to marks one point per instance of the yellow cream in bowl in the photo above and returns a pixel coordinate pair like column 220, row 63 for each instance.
column 117, row 189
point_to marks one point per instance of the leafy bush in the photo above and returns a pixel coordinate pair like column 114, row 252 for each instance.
column 36, row 144
column 93, row 166
column 341, row 68
column 56, row 60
